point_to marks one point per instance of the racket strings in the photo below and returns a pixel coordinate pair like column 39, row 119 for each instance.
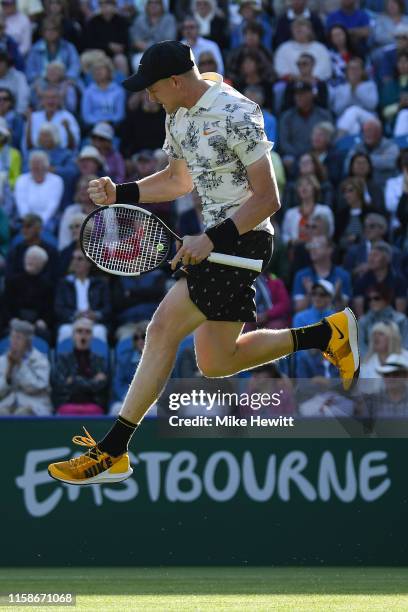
column 125, row 241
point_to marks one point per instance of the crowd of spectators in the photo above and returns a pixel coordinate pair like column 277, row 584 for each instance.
column 331, row 78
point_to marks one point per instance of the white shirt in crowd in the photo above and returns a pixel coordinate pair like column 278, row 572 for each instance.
column 203, row 45
column 18, row 26
column 64, row 233
column 288, row 53
column 38, row 118
column 43, row 199
column 393, row 192
column 81, row 290
column 291, row 220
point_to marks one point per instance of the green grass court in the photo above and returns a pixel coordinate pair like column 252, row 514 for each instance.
column 215, row 589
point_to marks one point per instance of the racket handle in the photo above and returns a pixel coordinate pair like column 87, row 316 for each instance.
column 236, row 262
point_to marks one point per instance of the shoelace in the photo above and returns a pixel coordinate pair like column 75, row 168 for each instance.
column 93, row 452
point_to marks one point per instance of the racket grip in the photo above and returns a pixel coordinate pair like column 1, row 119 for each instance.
column 236, row 262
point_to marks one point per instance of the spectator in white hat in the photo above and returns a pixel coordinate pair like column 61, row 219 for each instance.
column 322, row 295
column 90, row 161
column 102, row 137
column 392, row 400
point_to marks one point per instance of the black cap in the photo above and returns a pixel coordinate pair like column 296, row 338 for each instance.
column 302, row 86
column 160, row 61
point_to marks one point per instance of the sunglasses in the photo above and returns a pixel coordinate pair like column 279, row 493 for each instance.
column 139, row 337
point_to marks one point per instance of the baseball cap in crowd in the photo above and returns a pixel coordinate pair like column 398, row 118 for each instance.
column 160, row 61
column 22, row 327
column 326, row 285
column 394, row 363
column 103, row 130
column 301, row 86
column 91, row 152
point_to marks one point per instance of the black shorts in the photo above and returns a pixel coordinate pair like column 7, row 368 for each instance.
column 224, row 293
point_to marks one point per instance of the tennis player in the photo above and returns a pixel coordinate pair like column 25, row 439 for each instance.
column 216, row 142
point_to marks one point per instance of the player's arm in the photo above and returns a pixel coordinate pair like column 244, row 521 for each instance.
column 168, row 184
column 264, row 201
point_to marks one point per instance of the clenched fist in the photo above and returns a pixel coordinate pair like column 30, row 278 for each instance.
column 102, row 191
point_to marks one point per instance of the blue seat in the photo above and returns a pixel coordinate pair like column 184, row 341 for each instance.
column 123, row 346
column 46, row 236
column 97, row 346
column 401, row 141
column 346, row 143
column 39, row 343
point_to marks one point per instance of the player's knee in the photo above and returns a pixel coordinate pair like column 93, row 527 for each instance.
column 210, row 368
column 160, row 331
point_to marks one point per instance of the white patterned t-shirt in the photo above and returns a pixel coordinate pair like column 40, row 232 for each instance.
column 219, row 137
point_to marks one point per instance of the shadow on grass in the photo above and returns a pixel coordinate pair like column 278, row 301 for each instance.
column 209, row 581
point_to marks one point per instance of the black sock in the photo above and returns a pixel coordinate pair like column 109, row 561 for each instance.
column 116, row 441
column 315, row 336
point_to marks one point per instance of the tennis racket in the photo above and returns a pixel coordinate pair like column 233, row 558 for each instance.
column 128, row 241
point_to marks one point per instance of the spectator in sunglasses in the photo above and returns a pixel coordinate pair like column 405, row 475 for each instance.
column 380, row 310
column 380, row 272
column 15, row 121
column 361, row 167
column 322, row 295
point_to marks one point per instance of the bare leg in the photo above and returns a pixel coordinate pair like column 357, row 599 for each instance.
column 222, row 351
column 175, row 318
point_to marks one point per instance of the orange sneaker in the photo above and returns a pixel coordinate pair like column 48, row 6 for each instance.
column 93, row 467
column 342, row 350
